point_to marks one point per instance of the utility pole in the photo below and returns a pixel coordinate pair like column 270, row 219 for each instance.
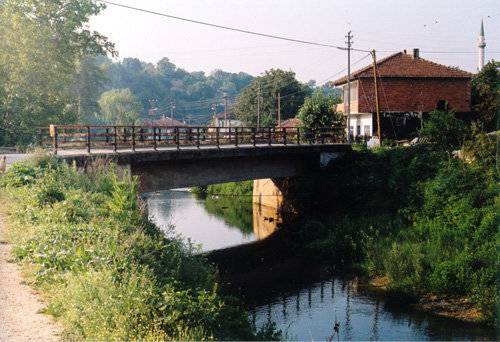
column 258, row 107
column 279, row 109
column 172, row 108
column 349, row 44
column 225, row 110
column 376, row 96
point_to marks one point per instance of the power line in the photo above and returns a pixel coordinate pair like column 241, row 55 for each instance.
column 199, row 22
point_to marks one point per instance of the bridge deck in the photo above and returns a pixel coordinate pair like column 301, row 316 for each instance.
column 141, row 155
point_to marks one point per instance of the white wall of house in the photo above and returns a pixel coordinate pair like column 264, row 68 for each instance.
column 361, row 124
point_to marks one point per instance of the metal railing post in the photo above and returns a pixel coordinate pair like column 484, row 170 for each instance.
column 88, row 139
column 197, row 137
column 154, row 139
column 133, row 138
column 56, row 139
column 217, row 136
column 298, row 135
column 284, row 136
column 322, row 132
column 253, row 136
column 115, row 139
column 159, row 134
column 269, row 140
column 236, row 136
column 107, row 135
column 177, row 137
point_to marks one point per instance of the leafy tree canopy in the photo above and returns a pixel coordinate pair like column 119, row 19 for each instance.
column 444, row 130
column 41, row 45
column 119, row 107
column 318, row 111
column 158, row 85
column 271, row 83
column 486, row 96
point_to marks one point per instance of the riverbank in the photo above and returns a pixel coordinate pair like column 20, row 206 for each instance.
column 108, row 272
column 424, row 220
column 20, row 306
column 456, row 307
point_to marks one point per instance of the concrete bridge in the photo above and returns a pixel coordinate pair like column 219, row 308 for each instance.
column 200, row 156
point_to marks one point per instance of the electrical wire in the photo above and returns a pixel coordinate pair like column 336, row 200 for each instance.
column 199, row 22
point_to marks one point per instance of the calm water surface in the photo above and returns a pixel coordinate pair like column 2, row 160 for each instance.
column 304, row 303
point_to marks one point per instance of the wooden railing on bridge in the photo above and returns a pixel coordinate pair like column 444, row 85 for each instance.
column 116, row 138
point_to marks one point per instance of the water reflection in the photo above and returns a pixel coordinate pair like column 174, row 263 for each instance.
column 360, row 316
column 212, row 222
column 303, row 298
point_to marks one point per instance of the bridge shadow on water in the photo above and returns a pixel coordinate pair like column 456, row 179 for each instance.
column 306, row 298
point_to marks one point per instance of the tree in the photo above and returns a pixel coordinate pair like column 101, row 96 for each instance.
column 119, row 107
column 444, row 131
column 90, row 82
column 486, row 96
column 318, row 111
column 41, row 44
column 272, row 83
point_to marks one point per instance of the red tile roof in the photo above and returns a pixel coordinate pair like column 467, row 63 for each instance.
column 293, row 122
column 165, row 122
column 405, row 65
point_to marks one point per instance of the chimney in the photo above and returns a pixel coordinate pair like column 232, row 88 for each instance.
column 416, row 53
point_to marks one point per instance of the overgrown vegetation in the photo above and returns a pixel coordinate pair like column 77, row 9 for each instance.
column 427, row 221
column 109, row 273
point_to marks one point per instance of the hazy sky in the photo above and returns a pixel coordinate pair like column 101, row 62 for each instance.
column 437, row 25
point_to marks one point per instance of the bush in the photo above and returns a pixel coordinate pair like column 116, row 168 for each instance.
column 108, row 272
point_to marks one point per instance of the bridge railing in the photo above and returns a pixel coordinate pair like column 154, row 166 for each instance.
column 131, row 138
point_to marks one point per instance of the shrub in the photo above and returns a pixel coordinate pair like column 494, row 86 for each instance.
column 108, row 272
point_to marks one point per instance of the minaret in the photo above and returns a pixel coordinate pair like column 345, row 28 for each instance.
column 481, row 46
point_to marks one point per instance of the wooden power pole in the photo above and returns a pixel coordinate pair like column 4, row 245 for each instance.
column 349, row 44
column 225, row 110
column 376, row 96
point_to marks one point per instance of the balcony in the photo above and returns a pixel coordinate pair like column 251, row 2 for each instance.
column 342, row 107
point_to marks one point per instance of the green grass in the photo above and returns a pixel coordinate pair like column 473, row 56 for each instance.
column 109, row 273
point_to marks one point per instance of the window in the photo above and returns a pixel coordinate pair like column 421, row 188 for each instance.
column 358, row 130
column 366, row 130
column 354, row 91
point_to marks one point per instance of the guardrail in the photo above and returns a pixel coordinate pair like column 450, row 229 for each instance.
column 131, row 138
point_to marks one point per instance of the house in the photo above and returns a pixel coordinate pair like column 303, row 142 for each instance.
column 409, row 87
column 223, row 120
column 290, row 123
column 165, row 121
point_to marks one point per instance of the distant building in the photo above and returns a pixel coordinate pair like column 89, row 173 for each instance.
column 409, row 87
column 220, row 120
column 165, row 121
column 293, row 122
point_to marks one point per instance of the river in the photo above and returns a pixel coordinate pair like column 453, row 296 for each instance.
column 303, row 300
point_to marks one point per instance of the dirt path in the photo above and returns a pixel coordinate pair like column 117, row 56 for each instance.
column 20, row 319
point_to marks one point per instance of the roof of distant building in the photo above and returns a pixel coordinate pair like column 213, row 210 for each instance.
column 230, row 116
column 402, row 64
column 293, row 122
column 165, row 122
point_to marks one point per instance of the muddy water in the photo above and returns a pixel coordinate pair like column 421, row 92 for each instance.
column 304, row 300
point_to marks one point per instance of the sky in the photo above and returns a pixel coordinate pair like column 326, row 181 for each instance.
column 450, row 26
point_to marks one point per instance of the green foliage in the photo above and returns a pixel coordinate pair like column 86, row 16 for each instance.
column 41, row 45
column 108, row 272
column 157, row 85
column 119, row 107
column 444, row 130
column 235, row 211
column 271, row 83
column 318, row 111
column 428, row 222
column 486, row 96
